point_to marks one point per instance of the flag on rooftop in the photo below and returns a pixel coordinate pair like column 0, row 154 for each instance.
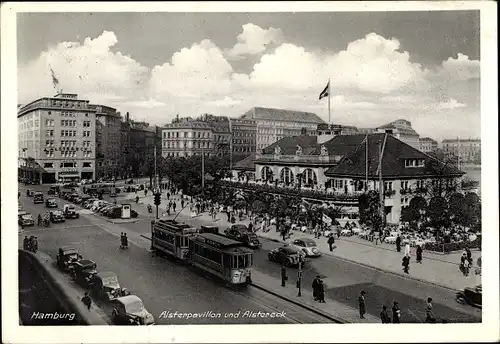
column 55, row 81
column 325, row 92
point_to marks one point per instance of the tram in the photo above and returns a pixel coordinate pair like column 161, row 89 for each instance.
column 214, row 253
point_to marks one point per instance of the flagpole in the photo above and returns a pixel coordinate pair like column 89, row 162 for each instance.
column 329, row 118
column 366, row 164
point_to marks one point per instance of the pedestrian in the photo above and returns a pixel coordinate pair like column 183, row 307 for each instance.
column 331, row 241
column 182, row 203
column 233, row 219
column 419, row 254
column 406, row 264
column 284, row 277
column 396, row 313
column 429, row 318
column 362, row 306
column 31, row 244
column 25, row 243
column 87, row 301
column 174, row 205
column 168, row 196
column 398, row 243
column 384, row 316
column 35, row 245
column 321, row 292
column 283, row 233
column 469, row 255
column 315, row 287
column 250, row 227
column 407, row 250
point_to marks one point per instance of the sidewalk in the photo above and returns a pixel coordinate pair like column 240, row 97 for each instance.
column 440, row 270
column 331, row 309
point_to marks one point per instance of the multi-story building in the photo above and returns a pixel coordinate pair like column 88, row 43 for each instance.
column 244, row 136
column 187, row 138
column 58, row 136
column 340, row 169
column 468, row 150
column 108, row 141
column 402, row 130
column 274, row 124
column 428, row 145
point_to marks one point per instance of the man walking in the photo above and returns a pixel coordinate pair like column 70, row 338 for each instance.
column 396, row 313
column 283, row 275
column 331, row 241
column 428, row 311
column 419, row 254
column 87, row 301
column 315, row 284
column 384, row 316
column 406, row 264
column 362, row 306
column 321, row 292
column 398, row 243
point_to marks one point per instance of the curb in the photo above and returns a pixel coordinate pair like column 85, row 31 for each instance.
column 379, row 269
column 309, row 308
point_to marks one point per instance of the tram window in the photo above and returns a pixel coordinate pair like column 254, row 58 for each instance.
column 241, row 262
column 177, row 241
column 234, row 262
column 227, row 260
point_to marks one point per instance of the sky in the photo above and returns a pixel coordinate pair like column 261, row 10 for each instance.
column 420, row 66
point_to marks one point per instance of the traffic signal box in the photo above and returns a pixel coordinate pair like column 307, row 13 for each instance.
column 157, row 199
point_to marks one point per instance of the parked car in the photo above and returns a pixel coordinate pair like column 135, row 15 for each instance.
column 105, row 286
column 289, row 256
column 83, row 272
column 130, row 310
column 50, row 203
column 38, row 198
column 53, row 190
column 114, row 212
column 240, row 233
column 306, row 245
column 66, row 257
column 25, row 219
column 70, row 212
column 57, row 216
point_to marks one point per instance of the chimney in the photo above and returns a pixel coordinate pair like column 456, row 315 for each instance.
column 127, row 117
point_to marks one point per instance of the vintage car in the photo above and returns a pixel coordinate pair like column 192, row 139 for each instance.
column 57, row 216
column 83, row 272
column 25, row 219
column 50, row 203
column 130, row 310
column 306, row 245
column 287, row 255
column 105, row 286
column 53, row 190
column 66, row 257
column 471, row 296
column 209, row 229
column 38, row 198
column 69, row 212
column 240, row 233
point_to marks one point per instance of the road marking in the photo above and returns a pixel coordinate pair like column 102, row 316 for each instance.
column 54, row 228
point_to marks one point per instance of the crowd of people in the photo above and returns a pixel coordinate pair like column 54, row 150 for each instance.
column 30, row 244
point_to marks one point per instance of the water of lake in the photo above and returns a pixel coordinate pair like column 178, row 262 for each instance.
column 474, row 174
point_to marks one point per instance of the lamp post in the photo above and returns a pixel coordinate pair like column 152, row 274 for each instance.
column 299, row 277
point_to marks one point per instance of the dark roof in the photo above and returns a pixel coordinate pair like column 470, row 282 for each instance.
column 282, row 115
column 341, row 144
column 394, row 154
column 246, row 164
column 289, row 145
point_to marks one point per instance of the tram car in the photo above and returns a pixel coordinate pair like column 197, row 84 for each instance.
column 216, row 254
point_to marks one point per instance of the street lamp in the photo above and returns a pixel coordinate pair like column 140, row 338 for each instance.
column 299, row 276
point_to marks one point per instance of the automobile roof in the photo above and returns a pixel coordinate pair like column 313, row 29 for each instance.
column 106, row 274
column 289, row 249
column 129, row 299
column 86, row 262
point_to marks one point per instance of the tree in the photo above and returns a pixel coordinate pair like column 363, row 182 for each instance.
column 456, row 205
column 369, row 210
column 437, row 212
column 472, row 210
column 414, row 212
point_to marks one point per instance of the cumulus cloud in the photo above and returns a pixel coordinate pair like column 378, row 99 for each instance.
column 254, row 40
column 372, row 80
column 451, row 104
column 461, row 68
column 226, row 102
column 90, row 68
column 372, row 64
column 199, row 69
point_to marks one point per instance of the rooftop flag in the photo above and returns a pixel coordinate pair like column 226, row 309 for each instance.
column 55, row 81
column 325, row 92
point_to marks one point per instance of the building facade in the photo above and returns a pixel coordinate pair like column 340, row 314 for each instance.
column 402, row 130
column 108, row 141
column 187, row 138
column 428, row 145
column 243, row 138
column 468, row 150
column 274, row 124
column 338, row 168
column 59, row 135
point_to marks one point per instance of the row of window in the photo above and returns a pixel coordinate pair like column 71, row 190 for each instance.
column 228, row 261
column 196, row 134
column 68, row 123
column 67, row 154
column 66, row 164
column 414, row 162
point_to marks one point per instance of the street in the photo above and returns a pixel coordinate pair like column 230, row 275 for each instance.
column 163, row 285
column 344, row 281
